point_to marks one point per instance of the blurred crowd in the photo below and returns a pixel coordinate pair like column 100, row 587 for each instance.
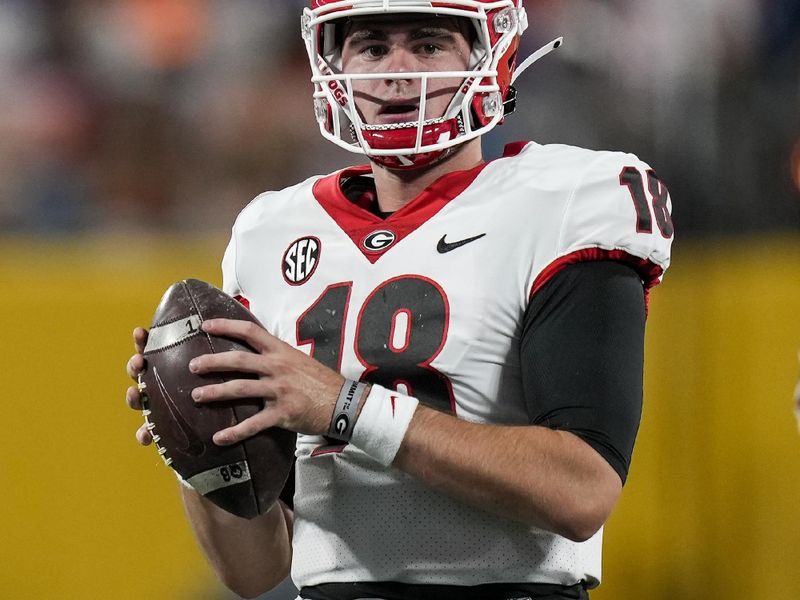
column 135, row 115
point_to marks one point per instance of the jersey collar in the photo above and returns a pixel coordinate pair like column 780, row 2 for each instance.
column 359, row 224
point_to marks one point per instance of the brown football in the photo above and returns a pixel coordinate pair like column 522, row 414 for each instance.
column 244, row 479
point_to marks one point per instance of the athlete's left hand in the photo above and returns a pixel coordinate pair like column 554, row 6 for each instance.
column 300, row 393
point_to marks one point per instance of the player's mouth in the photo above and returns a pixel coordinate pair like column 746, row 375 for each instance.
column 398, row 112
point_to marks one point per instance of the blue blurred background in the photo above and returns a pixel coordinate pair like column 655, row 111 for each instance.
column 133, row 114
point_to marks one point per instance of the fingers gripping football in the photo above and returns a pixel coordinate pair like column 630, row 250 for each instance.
column 133, row 397
column 299, row 392
column 143, row 435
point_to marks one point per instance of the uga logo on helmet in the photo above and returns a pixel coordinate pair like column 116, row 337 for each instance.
column 379, row 240
column 300, row 260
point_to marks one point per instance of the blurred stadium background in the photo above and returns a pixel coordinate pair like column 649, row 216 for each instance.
column 132, row 132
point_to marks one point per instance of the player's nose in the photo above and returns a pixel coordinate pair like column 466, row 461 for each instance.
column 399, row 60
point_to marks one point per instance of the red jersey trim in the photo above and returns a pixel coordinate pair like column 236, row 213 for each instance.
column 243, row 301
column 329, row 449
column 358, row 222
column 514, row 148
column 649, row 271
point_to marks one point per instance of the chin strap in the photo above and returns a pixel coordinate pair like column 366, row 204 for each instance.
column 540, row 53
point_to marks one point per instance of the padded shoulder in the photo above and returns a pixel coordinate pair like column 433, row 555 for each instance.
column 269, row 207
column 617, row 209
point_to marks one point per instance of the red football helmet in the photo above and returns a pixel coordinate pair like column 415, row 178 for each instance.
column 482, row 101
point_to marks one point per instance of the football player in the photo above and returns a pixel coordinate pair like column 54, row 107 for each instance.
column 458, row 342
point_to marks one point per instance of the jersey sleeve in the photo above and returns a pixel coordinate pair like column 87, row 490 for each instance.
column 230, row 284
column 618, row 210
column 230, row 279
column 582, row 351
column 235, row 280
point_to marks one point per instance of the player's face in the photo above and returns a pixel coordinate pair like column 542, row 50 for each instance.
column 392, row 45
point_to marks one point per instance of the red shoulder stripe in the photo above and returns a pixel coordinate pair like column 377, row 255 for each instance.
column 647, row 270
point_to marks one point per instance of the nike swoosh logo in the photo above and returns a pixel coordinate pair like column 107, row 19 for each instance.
column 442, row 247
column 194, row 445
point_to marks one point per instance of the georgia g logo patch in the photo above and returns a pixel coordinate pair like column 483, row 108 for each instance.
column 379, row 240
column 300, row 260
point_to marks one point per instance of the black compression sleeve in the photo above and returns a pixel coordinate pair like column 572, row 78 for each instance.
column 582, row 355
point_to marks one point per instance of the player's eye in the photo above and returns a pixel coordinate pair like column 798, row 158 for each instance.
column 374, row 51
column 429, row 49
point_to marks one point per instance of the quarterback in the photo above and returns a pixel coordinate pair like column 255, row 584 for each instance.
column 487, row 316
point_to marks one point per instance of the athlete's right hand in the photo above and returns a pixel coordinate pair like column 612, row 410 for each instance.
column 134, row 367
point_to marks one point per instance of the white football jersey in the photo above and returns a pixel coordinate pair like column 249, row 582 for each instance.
column 431, row 301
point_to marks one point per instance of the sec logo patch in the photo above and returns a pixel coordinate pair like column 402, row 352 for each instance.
column 379, row 240
column 301, row 259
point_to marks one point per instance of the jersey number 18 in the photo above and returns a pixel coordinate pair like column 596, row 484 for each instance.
column 400, row 329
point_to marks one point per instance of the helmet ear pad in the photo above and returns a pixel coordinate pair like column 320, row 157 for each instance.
column 505, row 72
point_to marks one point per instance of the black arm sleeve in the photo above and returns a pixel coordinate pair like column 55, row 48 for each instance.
column 582, row 355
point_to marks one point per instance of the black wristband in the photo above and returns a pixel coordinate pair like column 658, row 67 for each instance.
column 344, row 416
